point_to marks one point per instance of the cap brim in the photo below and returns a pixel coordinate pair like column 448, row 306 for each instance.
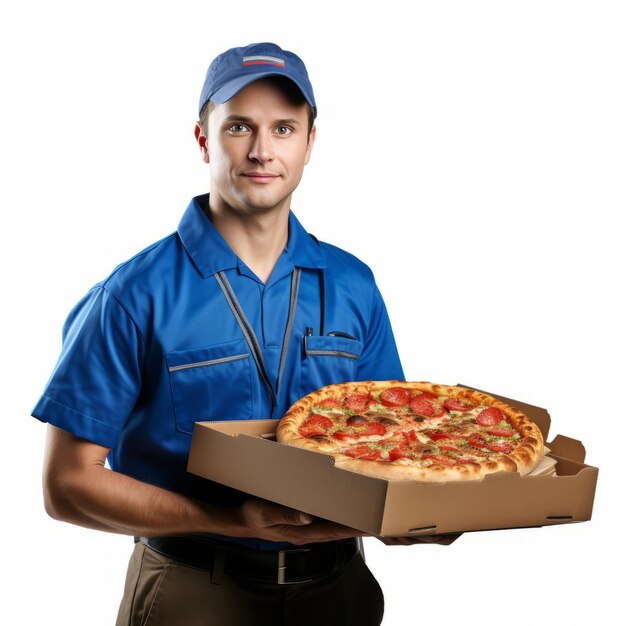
column 225, row 93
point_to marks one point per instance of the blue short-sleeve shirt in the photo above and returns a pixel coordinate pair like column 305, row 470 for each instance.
column 156, row 346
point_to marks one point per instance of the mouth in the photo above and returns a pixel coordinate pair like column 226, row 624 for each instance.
column 260, row 177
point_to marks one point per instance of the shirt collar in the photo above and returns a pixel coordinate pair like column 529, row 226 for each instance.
column 211, row 254
column 304, row 249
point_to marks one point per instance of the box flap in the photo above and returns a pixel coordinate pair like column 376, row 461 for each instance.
column 256, row 428
column 567, row 448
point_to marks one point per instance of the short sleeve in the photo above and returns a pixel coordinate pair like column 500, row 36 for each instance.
column 379, row 359
column 97, row 378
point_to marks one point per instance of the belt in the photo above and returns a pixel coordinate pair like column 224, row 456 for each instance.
column 285, row 567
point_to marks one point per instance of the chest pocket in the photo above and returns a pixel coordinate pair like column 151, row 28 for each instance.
column 328, row 360
column 212, row 383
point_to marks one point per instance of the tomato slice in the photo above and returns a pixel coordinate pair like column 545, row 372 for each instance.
column 490, row 417
column 477, row 441
column 399, row 453
column 442, row 459
column 408, row 436
column 395, row 396
column 315, row 424
column 363, row 451
column 501, row 432
column 438, row 436
column 500, row 446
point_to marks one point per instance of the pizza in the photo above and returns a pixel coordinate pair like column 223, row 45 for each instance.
column 416, row 431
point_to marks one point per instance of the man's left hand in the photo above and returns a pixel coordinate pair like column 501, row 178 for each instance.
column 442, row 540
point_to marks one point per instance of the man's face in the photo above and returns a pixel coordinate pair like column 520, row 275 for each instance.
column 258, row 144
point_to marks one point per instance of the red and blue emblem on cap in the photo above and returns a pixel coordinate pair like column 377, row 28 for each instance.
column 261, row 59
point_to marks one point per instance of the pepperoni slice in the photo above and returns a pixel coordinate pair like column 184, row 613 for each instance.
column 490, row 417
column 395, row 396
column 373, row 428
column 315, row 424
column 454, row 404
column 359, row 402
column 329, row 403
column 427, row 406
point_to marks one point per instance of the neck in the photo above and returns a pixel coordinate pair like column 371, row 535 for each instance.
column 258, row 240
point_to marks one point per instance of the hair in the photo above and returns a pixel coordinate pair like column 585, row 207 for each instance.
column 288, row 88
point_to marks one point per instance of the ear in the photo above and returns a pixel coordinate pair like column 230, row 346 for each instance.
column 309, row 147
column 202, row 142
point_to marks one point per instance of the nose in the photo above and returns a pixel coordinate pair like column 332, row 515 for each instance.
column 261, row 148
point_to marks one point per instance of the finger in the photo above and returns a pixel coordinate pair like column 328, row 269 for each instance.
column 442, row 540
column 449, row 538
column 319, row 530
column 331, row 530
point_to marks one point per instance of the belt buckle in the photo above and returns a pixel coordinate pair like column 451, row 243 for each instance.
column 282, row 567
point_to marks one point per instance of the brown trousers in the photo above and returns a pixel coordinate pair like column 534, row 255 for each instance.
column 160, row 591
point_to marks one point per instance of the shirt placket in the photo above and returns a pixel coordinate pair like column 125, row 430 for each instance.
column 271, row 382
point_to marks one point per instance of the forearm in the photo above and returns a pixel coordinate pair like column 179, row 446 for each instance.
column 79, row 489
column 105, row 500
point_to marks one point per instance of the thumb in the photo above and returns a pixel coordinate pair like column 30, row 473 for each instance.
column 294, row 517
column 304, row 518
column 264, row 514
column 287, row 515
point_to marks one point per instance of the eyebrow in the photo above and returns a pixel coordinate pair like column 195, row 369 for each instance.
column 248, row 120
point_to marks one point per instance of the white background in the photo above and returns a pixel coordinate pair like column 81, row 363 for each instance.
column 472, row 153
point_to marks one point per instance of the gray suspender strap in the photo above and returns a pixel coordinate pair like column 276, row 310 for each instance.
column 251, row 338
column 246, row 329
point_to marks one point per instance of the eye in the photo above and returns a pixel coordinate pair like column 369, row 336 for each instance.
column 237, row 129
column 283, row 130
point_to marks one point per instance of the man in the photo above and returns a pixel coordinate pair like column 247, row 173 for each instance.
column 208, row 323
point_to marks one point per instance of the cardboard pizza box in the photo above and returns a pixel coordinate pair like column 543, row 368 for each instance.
column 245, row 455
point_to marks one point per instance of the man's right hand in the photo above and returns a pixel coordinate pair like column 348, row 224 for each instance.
column 274, row 522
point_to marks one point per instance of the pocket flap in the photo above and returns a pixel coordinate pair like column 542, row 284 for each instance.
column 211, row 383
column 333, row 346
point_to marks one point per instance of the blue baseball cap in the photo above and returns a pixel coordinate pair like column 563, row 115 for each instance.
column 232, row 70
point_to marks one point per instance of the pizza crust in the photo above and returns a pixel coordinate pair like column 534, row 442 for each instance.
column 330, row 403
